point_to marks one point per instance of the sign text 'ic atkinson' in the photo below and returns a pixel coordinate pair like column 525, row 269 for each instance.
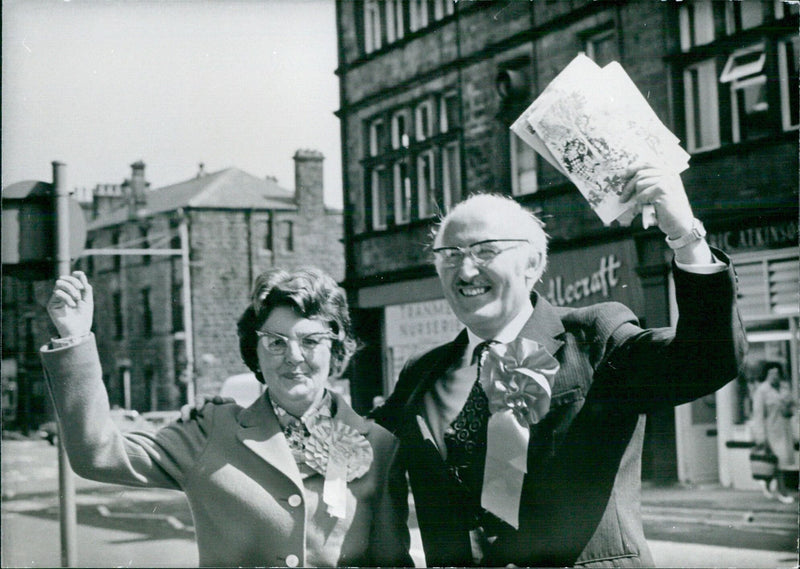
column 600, row 281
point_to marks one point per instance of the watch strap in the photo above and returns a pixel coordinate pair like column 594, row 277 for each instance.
column 696, row 233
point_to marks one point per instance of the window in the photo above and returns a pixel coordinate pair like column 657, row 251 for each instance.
column 400, row 130
column 749, row 106
column 448, row 112
column 372, row 25
column 394, row 20
column 380, row 191
column 402, row 193
column 119, row 323
column 377, row 137
column 177, row 306
column 268, row 238
column 451, row 176
column 145, row 239
column 443, row 8
column 523, row 167
column 783, row 8
column 602, row 47
column 426, row 185
column 412, row 162
column 701, row 106
column 743, row 15
column 287, row 236
column 788, row 64
column 115, row 239
column 418, row 14
column 696, row 24
column 424, row 120
column 147, row 313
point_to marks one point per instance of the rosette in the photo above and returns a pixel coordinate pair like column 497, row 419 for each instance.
column 517, row 380
column 517, row 377
column 341, row 454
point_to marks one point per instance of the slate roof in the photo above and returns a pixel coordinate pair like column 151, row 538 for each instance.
column 230, row 188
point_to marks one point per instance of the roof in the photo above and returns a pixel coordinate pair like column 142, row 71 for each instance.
column 227, row 189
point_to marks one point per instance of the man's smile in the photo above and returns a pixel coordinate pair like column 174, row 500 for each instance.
column 473, row 290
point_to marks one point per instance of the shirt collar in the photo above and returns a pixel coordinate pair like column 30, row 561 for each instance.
column 322, row 409
column 508, row 334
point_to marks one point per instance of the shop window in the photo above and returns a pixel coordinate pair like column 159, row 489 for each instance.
column 426, row 185
column 418, row 14
column 788, row 64
column 394, row 20
column 380, row 190
column 523, row 167
column 402, row 192
column 743, row 15
column 147, row 313
column 451, row 175
column 448, row 112
column 372, row 25
column 400, row 125
column 748, row 85
column 423, row 121
column 601, row 47
column 696, row 23
column 701, row 106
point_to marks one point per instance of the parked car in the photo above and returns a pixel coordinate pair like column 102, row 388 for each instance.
column 126, row 419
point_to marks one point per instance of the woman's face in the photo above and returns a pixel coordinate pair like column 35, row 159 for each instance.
column 294, row 354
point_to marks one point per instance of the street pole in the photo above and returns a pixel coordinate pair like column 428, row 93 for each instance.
column 66, row 481
column 188, row 329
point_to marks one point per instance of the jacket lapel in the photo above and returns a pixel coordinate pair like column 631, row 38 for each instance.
column 544, row 326
column 260, row 431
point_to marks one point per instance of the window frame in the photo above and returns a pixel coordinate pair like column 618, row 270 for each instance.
column 401, row 188
column 418, row 18
column 376, row 189
column 515, row 143
column 420, row 132
column 692, row 34
column 690, row 110
column 372, row 26
column 426, row 193
column 783, row 80
column 395, row 20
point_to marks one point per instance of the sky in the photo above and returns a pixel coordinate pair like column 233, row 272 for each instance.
column 101, row 84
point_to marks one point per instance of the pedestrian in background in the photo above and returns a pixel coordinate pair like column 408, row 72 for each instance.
column 773, row 408
column 296, row 479
column 522, row 438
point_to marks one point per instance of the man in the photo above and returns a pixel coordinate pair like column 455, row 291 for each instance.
column 535, row 459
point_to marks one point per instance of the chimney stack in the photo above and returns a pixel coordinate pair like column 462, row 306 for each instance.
column 308, row 186
column 137, row 188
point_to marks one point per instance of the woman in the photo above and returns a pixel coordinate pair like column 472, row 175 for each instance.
column 296, row 479
column 772, row 413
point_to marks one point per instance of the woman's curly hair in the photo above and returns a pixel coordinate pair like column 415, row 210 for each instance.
column 312, row 294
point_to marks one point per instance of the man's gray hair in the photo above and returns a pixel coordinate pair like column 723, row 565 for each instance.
column 516, row 216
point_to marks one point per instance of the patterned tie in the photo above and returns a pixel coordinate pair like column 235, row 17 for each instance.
column 465, row 440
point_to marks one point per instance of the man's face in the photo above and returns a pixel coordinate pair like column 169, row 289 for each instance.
column 485, row 297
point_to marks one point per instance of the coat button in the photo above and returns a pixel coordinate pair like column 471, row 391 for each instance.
column 295, row 500
column 292, row 561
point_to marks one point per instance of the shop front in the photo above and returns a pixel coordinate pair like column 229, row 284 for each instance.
column 765, row 257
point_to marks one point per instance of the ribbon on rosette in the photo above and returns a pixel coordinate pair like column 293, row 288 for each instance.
column 341, row 454
column 517, row 379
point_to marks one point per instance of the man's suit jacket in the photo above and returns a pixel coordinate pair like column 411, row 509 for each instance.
column 580, row 501
column 250, row 505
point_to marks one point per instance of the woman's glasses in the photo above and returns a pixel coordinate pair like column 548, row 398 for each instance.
column 277, row 344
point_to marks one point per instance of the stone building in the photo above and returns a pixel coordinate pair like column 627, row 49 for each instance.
column 215, row 233
column 429, row 89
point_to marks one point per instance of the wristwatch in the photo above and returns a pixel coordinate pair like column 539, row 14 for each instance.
column 696, row 233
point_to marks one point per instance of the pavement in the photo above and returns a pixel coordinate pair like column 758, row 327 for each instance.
column 714, row 504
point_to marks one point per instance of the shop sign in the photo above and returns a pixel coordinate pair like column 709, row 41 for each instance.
column 590, row 275
column 754, row 238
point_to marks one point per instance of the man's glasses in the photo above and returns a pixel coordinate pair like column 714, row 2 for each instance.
column 277, row 344
column 481, row 252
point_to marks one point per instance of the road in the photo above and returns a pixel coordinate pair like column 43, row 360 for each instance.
column 125, row 527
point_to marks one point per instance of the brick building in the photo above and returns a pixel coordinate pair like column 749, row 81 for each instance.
column 429, row 89
column 234, row 225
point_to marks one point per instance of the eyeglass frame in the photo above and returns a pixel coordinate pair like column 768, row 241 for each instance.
column 467, row 251
column 306, row 351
